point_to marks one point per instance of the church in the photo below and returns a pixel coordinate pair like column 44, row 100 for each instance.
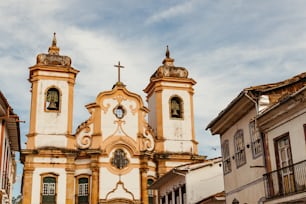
column 120, row 150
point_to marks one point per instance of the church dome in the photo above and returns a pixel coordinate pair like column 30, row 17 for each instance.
column 53, row 57
column 169, row 70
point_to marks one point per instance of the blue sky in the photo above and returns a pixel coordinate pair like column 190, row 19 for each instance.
column 226, row 45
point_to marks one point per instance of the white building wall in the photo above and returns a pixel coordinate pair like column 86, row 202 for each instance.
column 177, row 132
column 129, row 128
column 51, row 140
column 242, row 178
column 57, row 121
column 202, row 183
column 178, row 129
column 252, row 193
column 108, row 184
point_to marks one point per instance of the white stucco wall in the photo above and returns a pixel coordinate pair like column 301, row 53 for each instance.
column 242, row 178
column 249, row 194
column 57, row 121
column 176, row 132
column 50, row 140
column 204, row 182
column 108, row 184
column 178, row 129
column 130, row 125
column 49, row 160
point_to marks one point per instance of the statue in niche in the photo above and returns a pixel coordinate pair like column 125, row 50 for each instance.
column 52, row 99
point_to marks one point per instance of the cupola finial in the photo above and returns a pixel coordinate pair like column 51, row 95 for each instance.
column 168, row 60
column 54, row 40
column 167, row 52
column 53, row 50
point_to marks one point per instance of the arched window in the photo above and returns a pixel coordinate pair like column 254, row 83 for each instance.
column 48, row 195
column 83, row 190
column 53, row 99
column 176, row 107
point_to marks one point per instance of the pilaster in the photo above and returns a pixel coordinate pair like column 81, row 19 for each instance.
column 95, row 180
column 70, row 181
column 144, row 178
column 27, row 189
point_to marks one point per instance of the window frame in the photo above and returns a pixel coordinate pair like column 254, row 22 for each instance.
column 42, row 186
column 180, row 102
column 256, row 140
column 226, row 157
column 239, row 149
column 151, row 195
column 77, row 187
column 59, row 99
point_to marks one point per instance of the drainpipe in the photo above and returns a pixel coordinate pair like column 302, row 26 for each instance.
column 256, row 105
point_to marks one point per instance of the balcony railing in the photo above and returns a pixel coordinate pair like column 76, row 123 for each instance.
column 286, row 181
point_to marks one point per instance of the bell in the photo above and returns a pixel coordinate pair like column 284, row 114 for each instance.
column 175, row 113
column 52, row 106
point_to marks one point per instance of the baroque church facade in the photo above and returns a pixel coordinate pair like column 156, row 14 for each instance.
column 122, row 148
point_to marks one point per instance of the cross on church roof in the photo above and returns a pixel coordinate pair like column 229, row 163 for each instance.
column 119, row 66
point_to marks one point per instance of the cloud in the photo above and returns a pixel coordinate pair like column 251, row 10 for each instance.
column 171, row 12
column 226, row 46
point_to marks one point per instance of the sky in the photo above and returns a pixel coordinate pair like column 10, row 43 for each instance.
column 226, row 45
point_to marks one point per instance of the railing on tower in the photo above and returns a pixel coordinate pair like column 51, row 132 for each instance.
column 286, row 181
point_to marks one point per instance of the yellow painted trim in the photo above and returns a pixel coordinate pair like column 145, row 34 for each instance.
column 70, row 107
column 33, row 108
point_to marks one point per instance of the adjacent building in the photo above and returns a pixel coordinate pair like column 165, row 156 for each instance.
column 283, row 126
column 192, row 183
column 122, row 147
column 9, row 145
column 262, row 134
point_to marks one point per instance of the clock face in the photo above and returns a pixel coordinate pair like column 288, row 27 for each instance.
column 119, row 112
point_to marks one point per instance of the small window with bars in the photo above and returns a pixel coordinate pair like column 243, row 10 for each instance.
column 239, row 148
column 256, row 142
column 83, row 193
column 49, row 190
column 226, row 157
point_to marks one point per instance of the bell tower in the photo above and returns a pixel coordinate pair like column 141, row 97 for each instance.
column 52, row 80
column 170, row 101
